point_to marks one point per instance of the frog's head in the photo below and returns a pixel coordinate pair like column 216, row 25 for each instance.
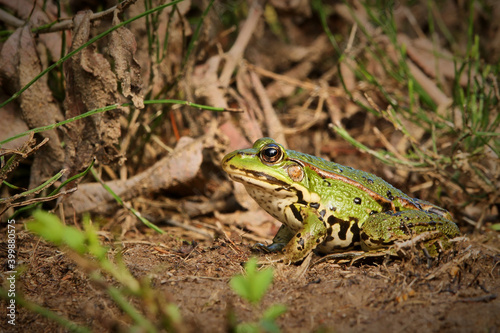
column 267, row 167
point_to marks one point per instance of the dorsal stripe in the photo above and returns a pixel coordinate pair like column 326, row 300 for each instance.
column 383, row 201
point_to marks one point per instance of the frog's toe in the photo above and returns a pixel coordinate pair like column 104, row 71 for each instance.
column 259, row 247
column 274, row 247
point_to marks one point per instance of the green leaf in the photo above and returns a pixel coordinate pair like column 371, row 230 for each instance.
column 50, row 228
column 274, row 311
column 254, row 285
column 94, row 246
column 268, row 321
column 174, row 313
column 269, row 326
column 75, row 239
column 248, row 328
column 239, row 285
column 261, row 283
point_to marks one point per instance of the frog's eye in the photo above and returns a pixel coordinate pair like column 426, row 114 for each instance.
column 271, row 153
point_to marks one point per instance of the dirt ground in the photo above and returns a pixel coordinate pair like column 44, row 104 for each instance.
column 297, row 80
column 457, row 294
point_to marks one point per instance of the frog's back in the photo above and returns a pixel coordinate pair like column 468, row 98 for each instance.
column 363, row 178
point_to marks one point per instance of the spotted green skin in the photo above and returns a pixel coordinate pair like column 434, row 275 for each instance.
column 329, row 207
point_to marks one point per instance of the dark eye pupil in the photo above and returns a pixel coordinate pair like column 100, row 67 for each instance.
column 271, row 152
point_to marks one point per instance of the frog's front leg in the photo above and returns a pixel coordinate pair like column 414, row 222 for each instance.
column 384, row 229
column 308, row 237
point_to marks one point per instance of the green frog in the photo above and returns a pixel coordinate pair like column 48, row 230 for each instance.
column 328, row 207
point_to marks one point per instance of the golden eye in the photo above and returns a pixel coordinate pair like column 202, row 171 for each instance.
column 271, row 153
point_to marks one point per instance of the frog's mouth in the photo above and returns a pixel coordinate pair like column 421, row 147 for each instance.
column 257, row 178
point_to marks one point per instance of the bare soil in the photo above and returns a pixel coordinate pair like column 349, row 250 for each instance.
column 457, row 293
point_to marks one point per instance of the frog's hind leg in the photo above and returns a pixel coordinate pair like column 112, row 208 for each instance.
column 385, row 229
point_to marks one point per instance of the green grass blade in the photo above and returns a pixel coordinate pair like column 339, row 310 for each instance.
column 32, row 206
column 113, row 107
column 36, row 189
column 129, row 309
column 121, row 203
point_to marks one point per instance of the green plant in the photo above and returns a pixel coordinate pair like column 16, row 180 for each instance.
column 252, row 287
column 84, row 247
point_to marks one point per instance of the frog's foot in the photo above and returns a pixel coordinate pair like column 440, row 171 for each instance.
column 349, row 255
column 282, row 237
column 289, row 257
column 274, row 247
column 297, row 246
column 284, row 259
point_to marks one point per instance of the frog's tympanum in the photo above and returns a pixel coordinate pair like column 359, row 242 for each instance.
column 329, row 207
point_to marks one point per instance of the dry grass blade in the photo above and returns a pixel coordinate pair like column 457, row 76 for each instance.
column 9, row 204
column 29, row 147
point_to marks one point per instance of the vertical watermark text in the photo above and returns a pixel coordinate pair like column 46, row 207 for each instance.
column 11, row 273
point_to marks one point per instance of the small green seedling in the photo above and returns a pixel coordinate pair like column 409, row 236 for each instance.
column 51, row 229
column 252, row 286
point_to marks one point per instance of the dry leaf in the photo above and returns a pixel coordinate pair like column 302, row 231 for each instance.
column 19, row 66
column 90, row 84
column 38, row 14
column 122, row 47
column 235, row 139
column 11, row 124
column 316, row 52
